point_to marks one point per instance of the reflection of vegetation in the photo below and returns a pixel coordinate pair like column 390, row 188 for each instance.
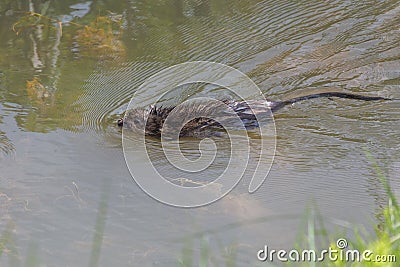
column 32, row 19
column 36, row 90
column 100, row 35
column 51, row 72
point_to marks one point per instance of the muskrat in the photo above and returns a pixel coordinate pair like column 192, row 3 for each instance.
column 204, row 127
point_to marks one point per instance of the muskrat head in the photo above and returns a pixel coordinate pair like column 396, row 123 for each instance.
column 148, row 121
column 134, row 120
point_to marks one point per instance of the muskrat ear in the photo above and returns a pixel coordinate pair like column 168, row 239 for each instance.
column 120, row 122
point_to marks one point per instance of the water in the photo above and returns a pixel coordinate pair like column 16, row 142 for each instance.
column 61, row 154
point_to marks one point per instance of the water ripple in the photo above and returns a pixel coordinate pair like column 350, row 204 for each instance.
column 283, row 46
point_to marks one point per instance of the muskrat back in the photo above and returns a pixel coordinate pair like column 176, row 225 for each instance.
column 249, row 113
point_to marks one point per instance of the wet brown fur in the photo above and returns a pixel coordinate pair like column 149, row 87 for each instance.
column 248, row 112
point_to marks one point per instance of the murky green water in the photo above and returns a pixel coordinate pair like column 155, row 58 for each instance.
column 61, row 155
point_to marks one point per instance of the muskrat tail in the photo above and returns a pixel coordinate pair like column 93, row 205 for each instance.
column 281, row 104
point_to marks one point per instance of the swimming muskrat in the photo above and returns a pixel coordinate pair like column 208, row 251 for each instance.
column 203, row 126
